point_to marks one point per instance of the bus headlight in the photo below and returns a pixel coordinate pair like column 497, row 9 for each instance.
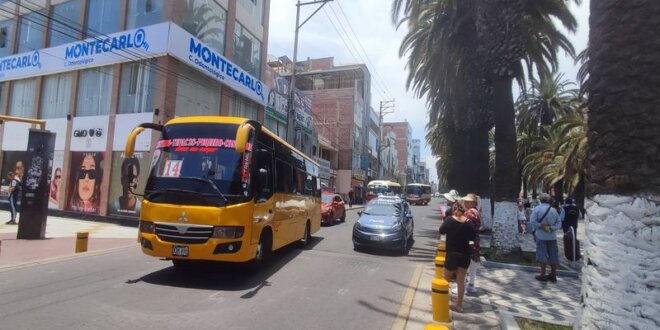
column 147, row 227
column 227, row 232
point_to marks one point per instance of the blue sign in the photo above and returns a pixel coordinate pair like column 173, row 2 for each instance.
column 21, row 61
column 82, row 52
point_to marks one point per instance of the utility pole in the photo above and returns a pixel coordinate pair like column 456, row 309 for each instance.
column 292, row 85
column 386, row 108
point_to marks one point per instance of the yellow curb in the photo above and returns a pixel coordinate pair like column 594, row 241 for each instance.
column 6, row 268
column 406, row 304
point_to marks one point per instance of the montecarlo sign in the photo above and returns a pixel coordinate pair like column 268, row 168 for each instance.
column 133, row 45
column 83, row 52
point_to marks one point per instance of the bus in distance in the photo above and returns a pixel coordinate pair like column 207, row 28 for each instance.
column 418, row 193
column 225, row 189
column 382, row 187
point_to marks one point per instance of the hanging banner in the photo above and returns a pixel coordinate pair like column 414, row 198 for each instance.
column 124, row 124
column 89, row 133
column 58, row 126
column 86, row 174
column 122, row 201
column 15, row 136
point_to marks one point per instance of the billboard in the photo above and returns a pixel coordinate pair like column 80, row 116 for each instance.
column 86, row 174
column 55, row 189
column 122, row 201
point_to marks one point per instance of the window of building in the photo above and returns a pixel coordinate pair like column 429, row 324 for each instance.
column 94, row 91
column 6, row 44
column 56, row 95
column 196, row 94
column 136, row 91
column 243, row 107
column 255, row 8
column 275, row 126
column 144, row 13
column 206, row 20
column 21, row 103
column 102, row 17
column 247, row 51
column 65, row 23
column 31, row 32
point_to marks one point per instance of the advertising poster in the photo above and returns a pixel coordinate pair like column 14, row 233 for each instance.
column 122, row 201
column 13, row 162
column 85, row 182
column 89, row 133
column 56, row 179
column 124, row 125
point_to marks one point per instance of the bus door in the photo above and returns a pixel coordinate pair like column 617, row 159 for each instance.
column 264, row 192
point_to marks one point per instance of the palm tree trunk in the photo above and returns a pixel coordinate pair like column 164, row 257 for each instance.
column 620, row 287
column 579, row 194
column 506, row 181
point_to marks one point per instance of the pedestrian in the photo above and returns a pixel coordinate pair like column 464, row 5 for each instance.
column 473, row 214
column 459, row 232
column 451, row 197
column 569, row 216
column 14, row 195
column 522, row 218
column 350, row 198
column 545, row 222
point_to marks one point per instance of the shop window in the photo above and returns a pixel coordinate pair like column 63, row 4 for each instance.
column 31, row 32
column 137, row 87
column 196, row 95
column 94, row 91
column 65, row 23
column 206, row 20
column 56, row 95
column 243, row 107
column 144, row 13
column 5, row 37
column 102, row 17
column 22, row 97
column 247, row 51
column 255, row 8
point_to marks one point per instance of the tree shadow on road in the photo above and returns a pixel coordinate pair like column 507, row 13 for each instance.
column 225, row 276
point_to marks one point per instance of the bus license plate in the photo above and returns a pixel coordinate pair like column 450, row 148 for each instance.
column 180, row 251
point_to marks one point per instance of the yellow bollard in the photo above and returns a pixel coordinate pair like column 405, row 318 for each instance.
column 442, row 250
column 439, row 267
column 440, row 300
column 433, row 326
column 81, row 241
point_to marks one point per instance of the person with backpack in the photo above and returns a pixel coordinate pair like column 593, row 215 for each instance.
column 569, row 216
column 545, row 222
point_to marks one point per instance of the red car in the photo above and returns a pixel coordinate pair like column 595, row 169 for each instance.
column 332, row 208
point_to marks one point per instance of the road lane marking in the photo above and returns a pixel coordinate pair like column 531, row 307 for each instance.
column 408, row 298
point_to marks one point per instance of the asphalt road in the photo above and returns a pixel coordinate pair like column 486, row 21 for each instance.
column 328, row 286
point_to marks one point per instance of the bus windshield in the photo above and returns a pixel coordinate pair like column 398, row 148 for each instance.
column 196, row 164
column 414, row 190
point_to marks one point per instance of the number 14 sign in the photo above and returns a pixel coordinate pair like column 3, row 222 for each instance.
column 172, row 168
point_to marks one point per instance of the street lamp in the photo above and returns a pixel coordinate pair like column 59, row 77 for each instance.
column 292, row 85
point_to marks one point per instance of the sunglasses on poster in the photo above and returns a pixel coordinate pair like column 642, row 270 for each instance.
column 89, row 173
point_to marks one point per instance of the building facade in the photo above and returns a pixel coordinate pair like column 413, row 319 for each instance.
column 404, row 149
column 94, row 69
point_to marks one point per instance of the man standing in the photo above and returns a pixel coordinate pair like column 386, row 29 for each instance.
column 472, row 205
column 14, row 195
column 569, row 216
column 350, row 198
column 545, row 222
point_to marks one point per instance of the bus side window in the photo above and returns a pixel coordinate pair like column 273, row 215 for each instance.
column 284, row 177
column 263, row 189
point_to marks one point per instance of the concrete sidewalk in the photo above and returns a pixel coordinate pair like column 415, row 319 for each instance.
column 60, row 240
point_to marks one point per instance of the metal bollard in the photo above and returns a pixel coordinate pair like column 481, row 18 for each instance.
column 433, row 326
column 439, row 267
column 440, row 300
column 81, row 241
column 442, row 250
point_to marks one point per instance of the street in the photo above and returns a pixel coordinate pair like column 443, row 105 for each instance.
column 328, row 286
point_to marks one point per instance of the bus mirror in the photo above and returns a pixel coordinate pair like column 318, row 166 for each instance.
column 242, row 135
column 263, row 176
column 130, row 142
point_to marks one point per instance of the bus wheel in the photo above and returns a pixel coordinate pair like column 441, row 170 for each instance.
column 263, row 252
column 304, row 242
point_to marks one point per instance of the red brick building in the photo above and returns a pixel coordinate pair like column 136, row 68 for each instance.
column 404, row 147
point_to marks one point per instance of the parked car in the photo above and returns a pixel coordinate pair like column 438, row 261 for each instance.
column 333, row 208
column 385, row 223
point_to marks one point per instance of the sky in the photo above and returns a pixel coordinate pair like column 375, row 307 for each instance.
column 334, row 31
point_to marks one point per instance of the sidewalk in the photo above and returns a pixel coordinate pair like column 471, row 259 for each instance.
column 60, row 240
column 505, row 289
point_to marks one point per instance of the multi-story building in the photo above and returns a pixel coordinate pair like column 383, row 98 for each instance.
column 340, row 97
column 94, row 69
column 388, row 157
column 415, row 175
column 404, row 148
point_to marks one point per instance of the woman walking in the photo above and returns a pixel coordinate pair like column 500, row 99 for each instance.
column 459, row 232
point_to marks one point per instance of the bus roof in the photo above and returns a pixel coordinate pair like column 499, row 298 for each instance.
column 233, row 120
column 418, row 184
column 384, row 183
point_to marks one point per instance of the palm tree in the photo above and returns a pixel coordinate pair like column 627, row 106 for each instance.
column 619, row 285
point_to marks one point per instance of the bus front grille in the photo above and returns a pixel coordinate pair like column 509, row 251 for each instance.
column 185, row 234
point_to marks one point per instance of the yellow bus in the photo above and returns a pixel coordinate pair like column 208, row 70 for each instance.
column 418, row 193
column 225, row 189
column 382, row 187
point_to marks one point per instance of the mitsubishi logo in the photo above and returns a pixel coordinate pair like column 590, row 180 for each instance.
column 181, row 229
column 183, row 217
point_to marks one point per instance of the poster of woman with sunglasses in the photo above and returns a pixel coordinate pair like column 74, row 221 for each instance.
column 55, row 190
column 85, row 182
